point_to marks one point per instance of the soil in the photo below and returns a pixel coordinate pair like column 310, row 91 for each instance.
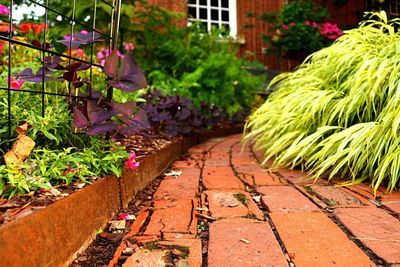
column 24, row 205
column 102, row 249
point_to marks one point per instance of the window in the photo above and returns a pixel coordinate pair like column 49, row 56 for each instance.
column 392, row 7
column 219, row 13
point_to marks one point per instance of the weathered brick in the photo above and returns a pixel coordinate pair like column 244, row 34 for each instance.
column 220, row 178
column 375, row 228
column 285, row 199
column 233, row 203
column 184, row 186
column 171, row 217
column 312, row 239
column 243, row 242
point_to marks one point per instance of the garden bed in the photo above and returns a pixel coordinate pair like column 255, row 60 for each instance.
column 55, row 234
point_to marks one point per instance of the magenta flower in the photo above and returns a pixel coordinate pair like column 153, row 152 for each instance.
column 16, row 84
column 315, row 25
column 285, row 27
column 4, row 11
column 103, row 53
column 129, row 46
column 308, row 23
column 292, row 24
column 131, row 163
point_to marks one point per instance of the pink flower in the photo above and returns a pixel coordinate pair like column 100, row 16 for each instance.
column 308, row 23
column 84, row 32
column 16, row 84
column 315, row 25
column 331, row 31
column 129, row 46
column 103, row 53
column 131, row 163
column 292, row 24
column 124, row 217
column 4, row 10
column 285, row 27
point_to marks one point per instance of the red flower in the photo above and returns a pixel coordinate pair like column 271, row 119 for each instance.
column 25, row 27
column 38, row 28
column 16, row 83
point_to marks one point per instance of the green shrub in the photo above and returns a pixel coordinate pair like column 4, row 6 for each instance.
column 338, row 114
column 192, row 62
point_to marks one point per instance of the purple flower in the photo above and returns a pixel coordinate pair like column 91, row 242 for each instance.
column 4, row 10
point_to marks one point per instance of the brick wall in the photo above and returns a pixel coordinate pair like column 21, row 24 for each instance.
column 251, row 28
column 347, row 15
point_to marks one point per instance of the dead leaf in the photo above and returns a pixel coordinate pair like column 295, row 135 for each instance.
column 257, row 198
column 173, row 173
column 21, row 149
column 117, row 225
column 80, row 185
column 245, row 241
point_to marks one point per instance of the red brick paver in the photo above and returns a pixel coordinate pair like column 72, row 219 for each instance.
column 243, row 242
column 228, row 204
column 220, row 178
column 285, row 199
column 375, row 228
column 170, row 217
column 317, row 223
column 312, row 239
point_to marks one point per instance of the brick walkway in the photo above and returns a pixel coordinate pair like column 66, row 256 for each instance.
column 226, row 210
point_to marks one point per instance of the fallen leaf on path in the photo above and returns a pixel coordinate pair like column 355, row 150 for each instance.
column 206, row 217
column 202, row 209
column 173, row 173
column 257, row 198
column 117, row 225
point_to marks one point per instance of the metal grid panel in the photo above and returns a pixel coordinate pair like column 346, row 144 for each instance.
column 109, row 39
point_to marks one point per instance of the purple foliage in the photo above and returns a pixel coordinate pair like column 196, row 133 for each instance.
column 175, row 115
column 82, row 38
column 127, row 77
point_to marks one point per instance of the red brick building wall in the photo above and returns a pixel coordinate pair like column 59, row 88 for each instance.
column 252, row 35
column 347, row 15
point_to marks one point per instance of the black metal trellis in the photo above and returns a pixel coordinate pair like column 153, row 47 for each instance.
column 110, row 38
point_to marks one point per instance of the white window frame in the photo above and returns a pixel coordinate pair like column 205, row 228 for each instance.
column 232, row 15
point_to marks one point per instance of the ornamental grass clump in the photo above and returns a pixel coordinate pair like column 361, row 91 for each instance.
column 338, row 114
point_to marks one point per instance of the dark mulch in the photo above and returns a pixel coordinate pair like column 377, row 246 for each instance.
column 102, row 249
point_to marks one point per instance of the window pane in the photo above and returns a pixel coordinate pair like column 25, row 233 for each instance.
column 203, row 13
column 225, row 15
column 225, row 3
column 192, row 1
column 214, row 2
column 203, row 2
column 192, row 12
column 214, row 14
